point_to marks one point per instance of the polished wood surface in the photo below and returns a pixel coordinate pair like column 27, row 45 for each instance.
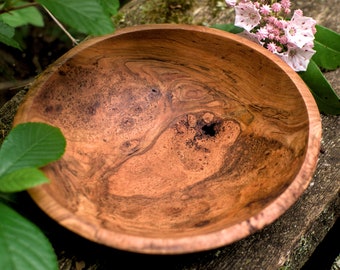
column 179, row 138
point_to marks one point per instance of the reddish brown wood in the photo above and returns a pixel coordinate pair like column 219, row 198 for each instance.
column 179, row 138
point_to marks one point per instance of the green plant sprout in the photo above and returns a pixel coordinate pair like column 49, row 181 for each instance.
column 27, row 147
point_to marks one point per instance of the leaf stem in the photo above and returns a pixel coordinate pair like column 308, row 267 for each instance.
column 74, row 41
column 7, row 10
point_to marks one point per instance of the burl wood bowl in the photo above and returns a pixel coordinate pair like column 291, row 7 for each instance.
column 179, row 138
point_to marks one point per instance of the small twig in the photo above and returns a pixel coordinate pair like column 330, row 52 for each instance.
column 13, row 85
column 74, row 41
column 7, row 10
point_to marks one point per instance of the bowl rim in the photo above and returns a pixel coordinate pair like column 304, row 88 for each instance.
column 195, row 243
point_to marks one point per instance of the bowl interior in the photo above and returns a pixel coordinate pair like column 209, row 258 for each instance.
column 172, row 133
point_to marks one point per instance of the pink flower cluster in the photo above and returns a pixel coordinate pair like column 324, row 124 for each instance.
column 269, row 24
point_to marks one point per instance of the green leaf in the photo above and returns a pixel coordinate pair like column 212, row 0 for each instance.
column 8, row 198
column 327, row 100
column 327, row 46
column 110, row 6
column 7, row 3
column 22, row 179
column 6, row 29
column 6, row 35
column 228, row 28
column 327, row 36
column 20, row 17
column 22, row 244
column 30, row 145
column 87, row 16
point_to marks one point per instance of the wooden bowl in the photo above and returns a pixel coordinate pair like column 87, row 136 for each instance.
column 179, row 138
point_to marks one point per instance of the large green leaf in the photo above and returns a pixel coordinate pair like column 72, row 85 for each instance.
column 30, row 145
column 20, row 17
column 327, row 46
column 22, row 179
column 327, row 36
column 327, row 100
column 87, row 16
column 110, row 6
column 6, row 35
column 22, row 245
column 229, row 27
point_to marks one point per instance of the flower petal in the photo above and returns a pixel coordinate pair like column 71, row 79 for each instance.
column 247, row 16
column 298, row 58
column 299, row 30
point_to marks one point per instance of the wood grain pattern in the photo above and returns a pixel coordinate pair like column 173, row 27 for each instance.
column 179, row 138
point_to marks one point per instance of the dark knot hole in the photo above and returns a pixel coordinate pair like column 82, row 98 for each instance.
column 209, row 130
